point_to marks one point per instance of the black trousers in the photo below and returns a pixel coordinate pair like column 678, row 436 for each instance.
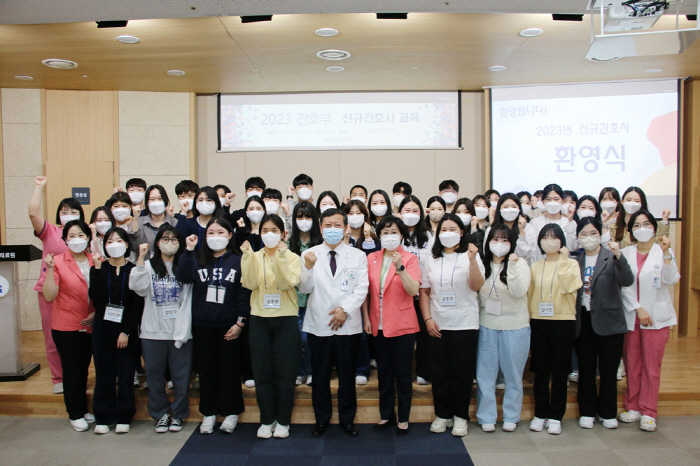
column 113, row 401
column 453, row 362
column 394, row 373
column 274, row 350
column 75, row 351
column 246, row 365
column 604, row 353
column 219, row 367
column 551, row 345
column 341, row 351
column 422, row 346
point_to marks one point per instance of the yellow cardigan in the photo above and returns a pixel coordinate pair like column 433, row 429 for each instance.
column 266, row 277
column 564, row 286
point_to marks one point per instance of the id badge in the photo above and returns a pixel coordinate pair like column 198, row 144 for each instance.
column 168, row 311
column 546, row 309
column 345, row 284
column 656, row 283
column 272, row 301
column 493, row 307
column 215, row 294
column 114, row 313
column 447, row 298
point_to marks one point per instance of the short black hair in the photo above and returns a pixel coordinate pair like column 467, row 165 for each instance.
column 325, row 194
column 302, row 179
column 72, row 203
column 271, row 193
column 488, row 193
column 571, row 194
column 478, row 198
column 84, row 227
column 556, row 230
column 633, row 218
column 403, row 188
column 136, row 183
column 524, row 193
column 538, row 193
column 331, row 212
column 361, row 187
column 119, row 196
column 108, row 213
column 186, row 186
column 222, row 186
column 124, row 237
column 255, row 182
column 274, row 218
column 390, row 220
column 162, row 192
column 448, row 184
column 595, row 221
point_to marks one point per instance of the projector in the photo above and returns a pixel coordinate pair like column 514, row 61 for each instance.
column 632, row 15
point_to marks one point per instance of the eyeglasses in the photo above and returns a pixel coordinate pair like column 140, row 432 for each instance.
column 170, row 240
column 636, row 226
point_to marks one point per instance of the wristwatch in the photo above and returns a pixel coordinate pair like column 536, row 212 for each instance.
column 243, row 320
column 401, row 269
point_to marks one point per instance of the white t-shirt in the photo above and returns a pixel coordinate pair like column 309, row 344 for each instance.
column 587, row 274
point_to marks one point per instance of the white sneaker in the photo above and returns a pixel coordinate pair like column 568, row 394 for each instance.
column 573, row 377
column 488, row 427
column 309, row 379
column 90, row 418
column 586, row 422
column 137, row 383
column 265, row 430
column 460, row 427
column 281, row 431
column 195, row 383
column 421, row 381
column 608, row 423
column 373, row 363
column 250, row 383
column 537, row 424
column 554, row 427
column 360, row 380
column 630, row 416
column 122, row 429
column 500, row 386
column 168, row 386
column 440, row 425
column 100, row 429
column 58, row 388
column 229, row 423
column 163, row 424
column 207, row 426
column 647, row 423
column 509, row 426
column 80, row 425
column 300, row 380
column 621, row 370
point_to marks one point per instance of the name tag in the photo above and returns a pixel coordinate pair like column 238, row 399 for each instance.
column 493, row 307
column 447, row 298
column 114, row 313
column 272, row 301
column 656, row 282
column 215, row 294
column 168, row 311
column 546, row 309
column 345, row 284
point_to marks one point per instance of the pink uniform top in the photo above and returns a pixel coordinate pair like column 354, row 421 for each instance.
column 72, row 304
column 52, row 243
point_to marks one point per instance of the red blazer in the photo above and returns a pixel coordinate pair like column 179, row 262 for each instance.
column 71, row 304
column 399, row 314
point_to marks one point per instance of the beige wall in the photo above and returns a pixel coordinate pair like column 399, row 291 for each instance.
column 338, row 171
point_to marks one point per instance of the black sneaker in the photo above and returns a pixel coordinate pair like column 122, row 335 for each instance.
column 176, row 425
column 163, row 424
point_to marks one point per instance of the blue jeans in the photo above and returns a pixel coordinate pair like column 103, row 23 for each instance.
column 507, row 350
column 304, row 351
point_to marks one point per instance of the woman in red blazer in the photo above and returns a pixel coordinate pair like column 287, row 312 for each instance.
column 389, row 315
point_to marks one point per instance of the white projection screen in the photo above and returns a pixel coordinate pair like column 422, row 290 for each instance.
column 336, row 121
column 585, row 137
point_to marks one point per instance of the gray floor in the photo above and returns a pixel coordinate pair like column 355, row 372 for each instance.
column 36, row 441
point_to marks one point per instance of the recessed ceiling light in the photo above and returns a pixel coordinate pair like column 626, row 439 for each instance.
column 128, row 39
column 255, row 70
column 497, row 68
column 327, row 32
column 85, row 76
column 176, row 73
column 654, row 70
column 24, row 78
column 531, row 32
column 335, row 69
column 604, row 58
column 414, row 68
column 60, row 64
column 333, row 54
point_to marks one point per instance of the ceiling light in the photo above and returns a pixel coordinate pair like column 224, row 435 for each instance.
column 111, row 24
column 255, row 70
column 128, row 39
column 327, row 32
column 256, row 19
column 392, row 15
column 497, row 68
column 335, row 69
column 654, row 70
column 414, row 68
column 60, row 64
column 176, row 73
column 333, row 54
column 531, row 32
column 85, row 76
column 604, row 58
column 24, row 78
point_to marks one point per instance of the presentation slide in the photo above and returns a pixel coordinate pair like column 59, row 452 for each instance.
column 336, row 121
column 588, row 136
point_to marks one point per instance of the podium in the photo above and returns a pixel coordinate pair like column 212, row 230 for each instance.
column 11, row 366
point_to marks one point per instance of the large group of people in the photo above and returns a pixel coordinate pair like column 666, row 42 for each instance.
column 289, row 288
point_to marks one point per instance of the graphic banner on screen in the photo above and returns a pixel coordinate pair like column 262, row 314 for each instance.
column 378, row 120
column 585, row 137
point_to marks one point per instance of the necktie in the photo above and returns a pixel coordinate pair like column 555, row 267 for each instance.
column 333, row 265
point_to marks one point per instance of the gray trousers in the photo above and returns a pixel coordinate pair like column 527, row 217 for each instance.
column 159, row 354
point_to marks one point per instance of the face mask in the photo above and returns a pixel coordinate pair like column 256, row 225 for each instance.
column 411, row 220
column 186, row 204
column 120, row 213
column 304, row 225
column 156, row 207
column 356, row 221
column 326, row 207
column 550, row 245
column 609, row 206
column 332, row 235
column 499, row 249
column 77, row 245
column 449, row 197
column 554, row 207
column 510, row 215
column 103, row 227
column 643, row 234
column 449, row 239
column 631, row 207
column 565, row 209
column 169, row 249
column 481, row 212
column 271, row 240
column 255, row 215
column 137, row 196
column 583, row 213
column 397, row 199
column 436, row 216
column 271, row 207
column 540, row 205
column 304, row 194
column 217, row 243
column 206, row 208
column 115, row 250
column 379, row 210
column 68, row 218
column 589, row 244
column 359, row 198
column 253, row 193
column 466, row 219
column 391, row 242
column 526, row 209
column 222, row 201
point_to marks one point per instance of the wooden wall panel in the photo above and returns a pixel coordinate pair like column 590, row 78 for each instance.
column 3, row 237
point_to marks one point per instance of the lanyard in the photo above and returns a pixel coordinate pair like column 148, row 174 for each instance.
column 453, row 270
column 109, row 285
column 220, row 274
column 385, row 271
column 551, row 289
column 493, row 283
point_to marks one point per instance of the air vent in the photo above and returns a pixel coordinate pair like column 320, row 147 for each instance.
column 333, row 54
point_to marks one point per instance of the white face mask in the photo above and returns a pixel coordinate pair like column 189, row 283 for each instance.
column 206, row 208
column 609, row 206
column 526, row 209
column 120, row 213
column 391, row 242
column 253, row 193
column 115, row 250
column 553, row 208
column 326, row 207
column 397, row 200
column 169, row 249
column 359, row 198
column 566, row 208
column 540, row 205
column 590, row 243
column 449, row 197
column 466, row 219
column 411, row 220
column 449, row 239
column 222, row 201
column 481, row 212
column 271, row 240
column 499, row 249
column 156, row 207
column 255, row 215
column 137, row 196
column 304, row 193
column 631, row 207
column 186, row 204
column 436, row 215
column 272, row 207
column 643, row 234
column 68, row 218
column 356, row 221
column 103, row 227
column 217, row 243
column 583, row 213
column 379, row 210
column 304, row 225
column 77, row 245
column 510, row 215
column 550, row 245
